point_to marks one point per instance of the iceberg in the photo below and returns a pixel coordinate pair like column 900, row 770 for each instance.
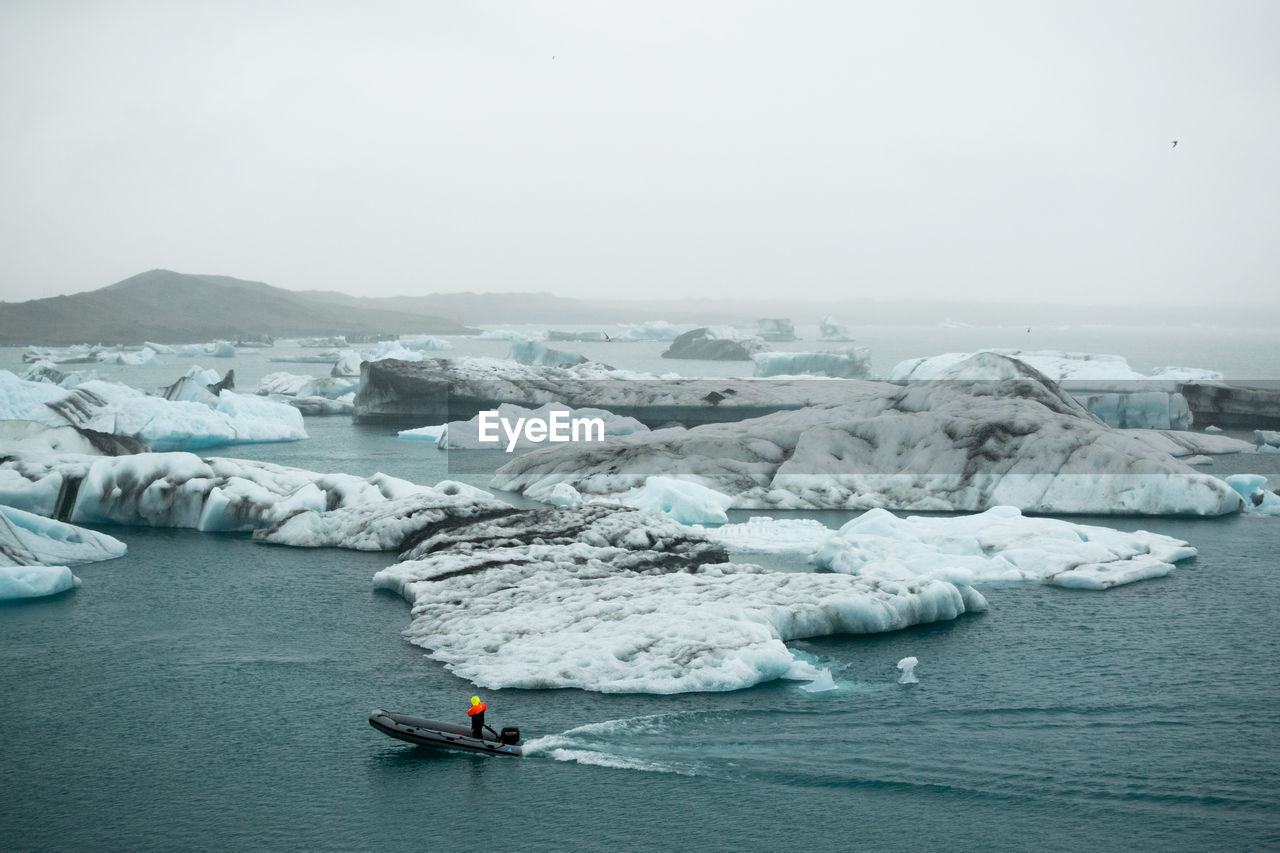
column 348, row 364
column 536, row 352
column 505, row 334
column 830, row 330
column 1257, row 497
column 146, row 355
column 31, row 437
column 999, row 545
column 654, row 330
column 680, row 500
column 27, row 539
column 162, row 424
column 714, row 345
column 465, row 435
column 424, row 342
column 1267, row 440
column 426, row 433
column 382, row 525
column 618, row 600
column 1056, row 365
column 940, row 447
column 35, row 581
column 36, row 553
column 180, row 489
column 853, row 363
column 1105, row 384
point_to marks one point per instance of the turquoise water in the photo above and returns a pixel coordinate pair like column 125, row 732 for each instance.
column 207, row 692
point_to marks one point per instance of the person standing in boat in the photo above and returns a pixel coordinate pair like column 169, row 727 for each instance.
column 476, row 713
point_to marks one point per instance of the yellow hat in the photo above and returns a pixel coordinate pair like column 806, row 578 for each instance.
column 475, row 700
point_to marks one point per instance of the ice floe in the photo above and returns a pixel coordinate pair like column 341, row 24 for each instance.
column 924, row 447
column 852, row 363
column 162, row 424
column 999, row 545
column 1257, row 497
column 536, row 352
column 465, row 435
column 381, row 525
column 183, row 490
column 36, row 553
column 1056, row 365
column 614, row 600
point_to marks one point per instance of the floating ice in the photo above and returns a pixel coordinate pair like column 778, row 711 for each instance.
column 27, row 539
column 908, row 667
column 426, row 433
column 162, row 424
column 146, row 355
column 35, row 553
column 999, row 545
column 559, row 494
column 853, row 363
column 1257, row 497
column 465, row 435
column 1056, row 365
column 683, row 501
column 424, row 342
column 624, row 601
column 830, row 330
column 512, row 335
column 536, row 352
column 348, row 364
column 764, row 535
column 1267, row 440
column 924, row 447
column 655, row 330
column 35, row 581
column 384, row 525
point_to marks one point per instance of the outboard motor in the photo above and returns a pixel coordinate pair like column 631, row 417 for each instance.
column 510, row 736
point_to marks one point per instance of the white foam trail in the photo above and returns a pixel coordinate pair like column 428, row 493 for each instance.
column 582, row 745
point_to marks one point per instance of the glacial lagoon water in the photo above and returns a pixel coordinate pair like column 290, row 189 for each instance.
column 207, row 692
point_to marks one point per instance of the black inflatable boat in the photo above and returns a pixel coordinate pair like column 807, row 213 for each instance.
column 444, row 735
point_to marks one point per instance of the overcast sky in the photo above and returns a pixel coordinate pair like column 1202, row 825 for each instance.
column 1013, row 151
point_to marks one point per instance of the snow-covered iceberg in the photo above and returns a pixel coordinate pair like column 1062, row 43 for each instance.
column 923, row 447
column 615, row 600
column 162, row 424
column 852, row 363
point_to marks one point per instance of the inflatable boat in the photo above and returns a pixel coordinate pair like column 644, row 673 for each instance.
column 444, row 735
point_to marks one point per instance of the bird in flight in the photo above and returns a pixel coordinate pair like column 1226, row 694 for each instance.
column 1175, row 144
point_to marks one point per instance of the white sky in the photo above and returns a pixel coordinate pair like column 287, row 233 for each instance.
column 1013, row 151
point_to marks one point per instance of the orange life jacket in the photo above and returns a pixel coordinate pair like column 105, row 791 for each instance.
column 477, row 709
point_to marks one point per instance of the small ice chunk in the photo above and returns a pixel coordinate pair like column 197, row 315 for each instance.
column 908, row 667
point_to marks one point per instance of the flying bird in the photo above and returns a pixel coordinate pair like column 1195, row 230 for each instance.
column 1175, row 144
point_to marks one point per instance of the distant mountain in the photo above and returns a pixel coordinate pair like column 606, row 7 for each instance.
column 491, row 308
column 170, row 307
